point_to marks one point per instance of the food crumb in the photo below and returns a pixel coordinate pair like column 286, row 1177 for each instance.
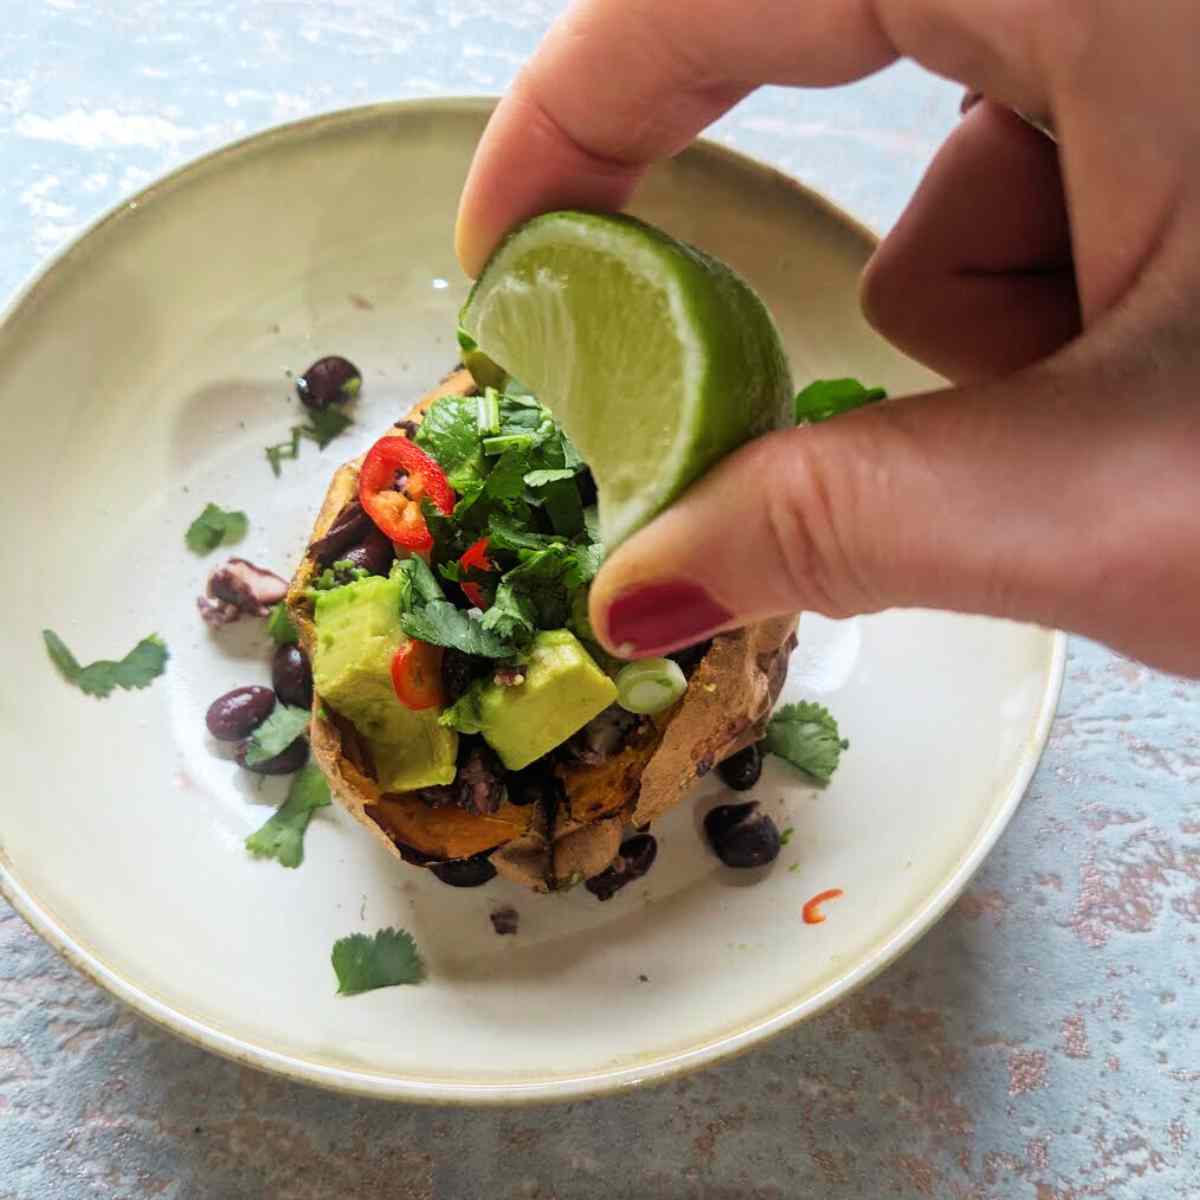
column 643, row 979
column 505, row 920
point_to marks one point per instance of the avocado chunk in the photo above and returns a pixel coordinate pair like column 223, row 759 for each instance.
column 358, row 632
column 562, row 692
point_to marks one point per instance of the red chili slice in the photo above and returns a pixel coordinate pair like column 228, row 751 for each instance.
column 417, row 675
column 397, row 511
column 475, row 559
column 812, row 910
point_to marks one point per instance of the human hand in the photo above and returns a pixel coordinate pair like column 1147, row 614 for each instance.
column 1060, row 481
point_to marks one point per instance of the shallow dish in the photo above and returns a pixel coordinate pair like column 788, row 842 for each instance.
column 144, row 371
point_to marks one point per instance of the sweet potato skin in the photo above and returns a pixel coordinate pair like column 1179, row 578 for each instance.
column 728, row 700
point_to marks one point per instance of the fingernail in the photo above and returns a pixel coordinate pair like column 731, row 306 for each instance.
column 656, row 617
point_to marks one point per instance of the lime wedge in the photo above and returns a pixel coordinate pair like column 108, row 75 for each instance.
column 656, row 359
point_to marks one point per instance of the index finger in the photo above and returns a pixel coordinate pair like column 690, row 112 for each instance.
column 619, row 84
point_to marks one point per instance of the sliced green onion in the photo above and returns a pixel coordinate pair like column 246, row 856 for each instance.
column 650, row 685
column 509, row 441
column 488, row 411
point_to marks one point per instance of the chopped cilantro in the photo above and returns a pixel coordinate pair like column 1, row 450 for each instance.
column 540, row 478
column 825, row 398
column 336, row 575
column 282, row 837
column 324, row 424
column 449, row 432
column 280, row 627
column 428, row 616
column 144, row 663
column 807, row 736
column 214, row 526
column 281, row 450
column 276, row 733
column 786, row 836
column 363, row 963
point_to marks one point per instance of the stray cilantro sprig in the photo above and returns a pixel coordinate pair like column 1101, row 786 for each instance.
column 280, row 627
column 285, row 724
column 215, row 526
column 825, row 398
column 282, row 837
column 144, row 663
column 807, row 736
column 324, row 424
column 388, row 959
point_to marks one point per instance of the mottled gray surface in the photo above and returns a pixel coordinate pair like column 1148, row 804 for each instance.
column 1043, row 1042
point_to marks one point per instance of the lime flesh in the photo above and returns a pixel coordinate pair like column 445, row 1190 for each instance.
column 656, row 359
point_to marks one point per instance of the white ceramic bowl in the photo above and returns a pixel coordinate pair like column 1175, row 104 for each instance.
column 143, row 373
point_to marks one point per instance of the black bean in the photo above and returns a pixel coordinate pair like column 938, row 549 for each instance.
column 532, row 786
column 634, row 859
column 284, row 763
column 291, row 676
column 351, row 525
column 239, row 713
column 459, row 670
column 741, row 770
column 506, row 920
column 332, row 380
column 465, row 872
column 742, row 836
column 373, row 554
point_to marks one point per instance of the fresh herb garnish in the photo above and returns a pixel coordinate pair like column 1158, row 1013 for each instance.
column 282, row 837
column 786, row 835
column 807, row 736
column 388, row 959
column 285, row 724
column 214, row 526
column 144, row 663
column 825, row 398
column 535, row 479
column 280, row 627
column 428, row 616
column 324, row 424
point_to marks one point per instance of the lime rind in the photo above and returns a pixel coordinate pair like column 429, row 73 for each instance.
column 657, row 359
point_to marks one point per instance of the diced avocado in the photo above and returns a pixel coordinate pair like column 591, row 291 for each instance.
column 562, row 692
column 358, row 632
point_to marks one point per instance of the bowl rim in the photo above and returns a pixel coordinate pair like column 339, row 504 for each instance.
column 204, row 1034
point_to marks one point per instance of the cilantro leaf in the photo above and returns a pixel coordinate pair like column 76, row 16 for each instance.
column 560, row 499
column 441, row 624
column 285, row 724
column 324, row 424
column 449, row 432
column 282, row 837
column 418, row 584
column 144, row 663
column 280, row 627
column 363, row 963
column 281, row 450
column 807, row 736
column 214, row 526
column 825, row 398
column 535, row 479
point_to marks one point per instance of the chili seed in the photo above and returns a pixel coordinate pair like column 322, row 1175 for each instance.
column 291, row 676
column 239, row 713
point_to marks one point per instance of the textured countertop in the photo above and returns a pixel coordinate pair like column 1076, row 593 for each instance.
column 1042, row 1042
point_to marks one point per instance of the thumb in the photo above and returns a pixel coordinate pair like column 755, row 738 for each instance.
column 1023, row 498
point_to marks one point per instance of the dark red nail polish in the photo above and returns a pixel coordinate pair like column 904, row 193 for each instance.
column 656, row 617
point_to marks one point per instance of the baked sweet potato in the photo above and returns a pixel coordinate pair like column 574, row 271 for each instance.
column 542, row 846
